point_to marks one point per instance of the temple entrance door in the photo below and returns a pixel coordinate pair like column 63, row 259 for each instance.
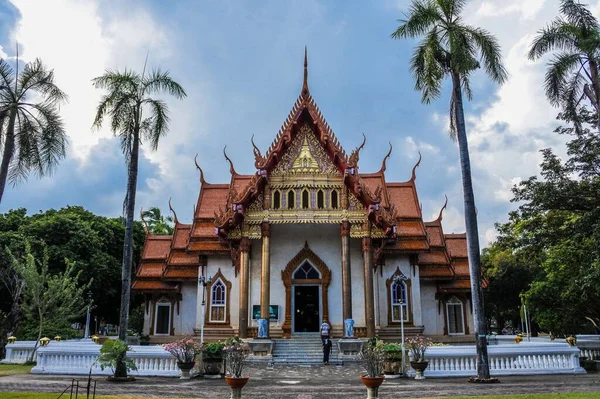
column 307, row 314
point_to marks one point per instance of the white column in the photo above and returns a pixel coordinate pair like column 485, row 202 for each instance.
column 416, row 296
column 199, row 306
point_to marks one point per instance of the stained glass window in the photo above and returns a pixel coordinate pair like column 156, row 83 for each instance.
column 306, row 272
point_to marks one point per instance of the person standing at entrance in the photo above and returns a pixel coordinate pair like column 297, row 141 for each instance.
column 326, row 350
column 325, row 327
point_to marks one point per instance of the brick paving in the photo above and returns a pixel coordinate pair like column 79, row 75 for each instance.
column 309, row 382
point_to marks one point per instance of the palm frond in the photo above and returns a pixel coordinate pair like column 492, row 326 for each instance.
column 158, row 121
column 428, row 67
column 557, row 35
column 571, row 93
column 490, row 51
column 422, row 15
column 6, row 80
column 578, row 14
column 159, row 81
column 115, row 81
column 35, row 76
column 557, row 75
column 451, row 8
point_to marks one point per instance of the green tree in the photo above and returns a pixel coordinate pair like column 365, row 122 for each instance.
column 32, row 135
column 135, row 116
column 573, row 71
column 158, row 223
column 57, row 298
column 453, row 49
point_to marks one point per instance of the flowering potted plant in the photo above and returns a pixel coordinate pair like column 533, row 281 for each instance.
column 212, row 357
column 371, row 358
column 236, row 353
column 417, row 347
column 185, row 351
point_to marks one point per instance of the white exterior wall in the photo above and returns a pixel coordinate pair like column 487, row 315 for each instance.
column 147, row 317
column 433, row 320
column 214, row 263
column 324, row 240
column 382, row 303
column 185, row 321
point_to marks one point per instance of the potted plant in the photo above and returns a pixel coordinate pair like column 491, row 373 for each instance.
column 144, row 340
column 417, row 347
column 236, row 353
column 393, row 358
column 371, row 358
column 212, row 357
column 185, row 351
column 113, row 354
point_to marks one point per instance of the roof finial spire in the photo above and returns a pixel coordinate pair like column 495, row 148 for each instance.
column 305, row 82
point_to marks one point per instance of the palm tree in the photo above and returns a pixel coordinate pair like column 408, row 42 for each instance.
column 135, row 116
column 573, row 71
column 158, row 223
column 453, row 49
column 32, row 134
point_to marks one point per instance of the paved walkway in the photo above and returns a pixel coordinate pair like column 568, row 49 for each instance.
column 312, row 382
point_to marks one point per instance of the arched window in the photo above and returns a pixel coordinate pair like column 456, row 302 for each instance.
column 455, row 316
column 320, row 199
column 218, row 301
column 334, row 199
column 162, row 317
column 290, row 199
column 399, row 300
column 305, row 199
column 276, row 199
column 306, row 272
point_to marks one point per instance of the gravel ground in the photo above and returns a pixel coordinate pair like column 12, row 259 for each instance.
column 313, row 382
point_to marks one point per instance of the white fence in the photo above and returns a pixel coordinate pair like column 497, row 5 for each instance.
column 522, row 359
column 78, row 357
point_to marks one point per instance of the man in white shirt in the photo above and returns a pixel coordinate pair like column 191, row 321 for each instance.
column 325, row 327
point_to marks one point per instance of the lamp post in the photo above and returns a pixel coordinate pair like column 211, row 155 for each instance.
column 87, row 321
column 402, row 279
column 203, row 281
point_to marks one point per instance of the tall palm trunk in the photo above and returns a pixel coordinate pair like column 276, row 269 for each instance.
column 483, row 369
column 9, row 150
column 596, row 85
column 128, row 241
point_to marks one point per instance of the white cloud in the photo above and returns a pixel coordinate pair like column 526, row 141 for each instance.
column 527, row 9
column 3, row 55
column 412, row 147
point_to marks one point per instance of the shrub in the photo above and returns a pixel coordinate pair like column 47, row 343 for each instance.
column 212, row 350
column 113, row 354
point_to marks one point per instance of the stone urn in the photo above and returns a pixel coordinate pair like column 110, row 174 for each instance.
column 185, row 368
column 236, row 384
column 372, row 384
column 419, row 368
column 212, row 366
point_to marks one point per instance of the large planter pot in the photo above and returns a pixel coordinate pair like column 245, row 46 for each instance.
column 392, row 367
column 236, row 385
column 185, row 368
column 419, row 369
column 212, row 365
column 372, row 384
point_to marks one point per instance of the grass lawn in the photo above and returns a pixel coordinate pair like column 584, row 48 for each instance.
column 29, row 395
column 12, row 369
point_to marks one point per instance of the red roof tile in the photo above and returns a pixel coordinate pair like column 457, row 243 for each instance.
column 404, row 197
column 435, row 257
column 410, row 245
column 211, row 197
column 150, row 269
column 181, row 273
column 435, row 272
column 457, row 245
column 156, row 247
column 154, row 285
column 204, row 229
column 434, row 234
column 207, row 246
column 182, row 258
column 374, row 180
column 455, row 285
column 182, row 235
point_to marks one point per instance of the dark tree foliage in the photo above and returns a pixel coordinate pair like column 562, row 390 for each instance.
column 555, row 235
column 93, row 242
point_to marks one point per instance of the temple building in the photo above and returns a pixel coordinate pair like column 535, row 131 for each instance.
column 308, row 237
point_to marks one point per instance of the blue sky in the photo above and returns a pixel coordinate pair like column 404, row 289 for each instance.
column 241, row 65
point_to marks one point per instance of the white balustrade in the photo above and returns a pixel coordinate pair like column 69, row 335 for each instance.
column 79, row 357
column 521, row 359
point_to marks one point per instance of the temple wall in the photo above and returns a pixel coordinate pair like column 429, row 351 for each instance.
column 381, row 292
column 147, row 317
column 432, row 319
column 223, row 263
column 186, row 319
column 324, row 240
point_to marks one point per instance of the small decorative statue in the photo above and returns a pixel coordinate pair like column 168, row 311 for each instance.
column 12, row 339
column 348, row 328
column 262, row 328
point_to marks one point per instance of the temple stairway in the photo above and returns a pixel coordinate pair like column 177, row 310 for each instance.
column 303, row 350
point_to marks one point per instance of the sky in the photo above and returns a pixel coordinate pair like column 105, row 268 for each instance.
column 241, row 64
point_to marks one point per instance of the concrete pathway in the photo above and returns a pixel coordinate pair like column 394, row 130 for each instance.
column 312, row 382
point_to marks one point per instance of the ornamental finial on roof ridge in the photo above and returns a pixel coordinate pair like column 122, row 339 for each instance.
column 305, row 82
column 173, row 210
column 383, row 163
column 414, row 169
column 202, row 181
column 439, row 218
column 231, row 168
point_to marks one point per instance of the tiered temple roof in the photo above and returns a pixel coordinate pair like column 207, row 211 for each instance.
column 392, row 208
